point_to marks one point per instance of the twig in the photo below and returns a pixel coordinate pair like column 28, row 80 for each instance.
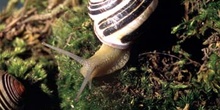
column 160, row 54
column 58, row 10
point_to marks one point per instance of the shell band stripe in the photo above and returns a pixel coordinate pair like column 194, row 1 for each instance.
column 7, row 105
column 129, row 18
column 12, row 90
column 4, row 102
column 107, row 7
column 96, row 5
column 8, row 88
column 114, row 18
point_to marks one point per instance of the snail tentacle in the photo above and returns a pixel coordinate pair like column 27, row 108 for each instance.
column 88, row 67
column 71, row 55
column 85, row 81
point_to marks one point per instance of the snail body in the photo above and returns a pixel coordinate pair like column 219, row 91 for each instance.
column 11, row 92
column 115, row 21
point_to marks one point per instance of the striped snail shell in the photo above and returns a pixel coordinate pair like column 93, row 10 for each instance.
column 11, row 92
column 114, row 23
column 115, row 20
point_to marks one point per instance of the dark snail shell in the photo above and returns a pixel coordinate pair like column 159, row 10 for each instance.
column 11, row 92
column 115, row 20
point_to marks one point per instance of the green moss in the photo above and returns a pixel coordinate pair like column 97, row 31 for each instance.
column 72, row 32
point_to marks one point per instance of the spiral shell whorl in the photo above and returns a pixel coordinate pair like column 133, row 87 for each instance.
column 115, row 20
column 11, row 92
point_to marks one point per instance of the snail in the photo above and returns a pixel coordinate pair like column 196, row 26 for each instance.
column 114, row 23
column 11, row 92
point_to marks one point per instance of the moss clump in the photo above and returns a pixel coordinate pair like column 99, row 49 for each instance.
column 76, row 36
